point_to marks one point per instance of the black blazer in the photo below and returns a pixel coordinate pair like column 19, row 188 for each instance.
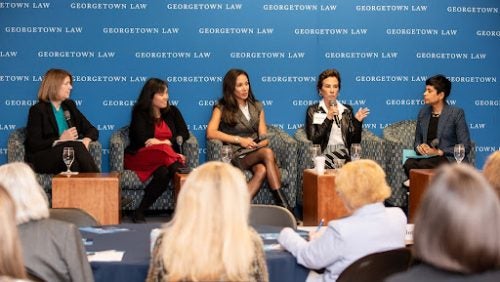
column 42, row 128
column 142, row 128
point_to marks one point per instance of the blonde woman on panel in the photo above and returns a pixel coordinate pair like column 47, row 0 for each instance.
column 11, row 260
column 209, row 238
column 457, row 229
column 52, row 249
column 491, row 171
column 369, row 229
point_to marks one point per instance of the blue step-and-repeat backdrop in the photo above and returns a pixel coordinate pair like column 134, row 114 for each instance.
column 384, row 50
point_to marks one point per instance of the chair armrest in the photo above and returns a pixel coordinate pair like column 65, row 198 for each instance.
column 214, row 147
column 15, row 147
column 190, row 149
column 116, row 151
column 95, row 149
column 373, row 147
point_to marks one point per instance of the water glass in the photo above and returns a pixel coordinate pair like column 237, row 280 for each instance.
column 315, row 151
column 68, row 158
column 226, row 153
column 459, row 152
column 355, row 151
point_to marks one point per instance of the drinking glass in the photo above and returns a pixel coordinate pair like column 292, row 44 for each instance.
column 338, row 163
column 315, row 151
column 68, row 158
column 355, row 151
column 226, row 153
column 459, row 152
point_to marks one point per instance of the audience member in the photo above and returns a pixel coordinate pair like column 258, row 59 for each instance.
column 209, row 238
column 439, row 127
column 54, row 123
column 238, row 120
column 491, row 171
column 11, row 260
column 457, row 229
column 332, row 124
column 52, row 249
column 370, row 228
column 155, row 128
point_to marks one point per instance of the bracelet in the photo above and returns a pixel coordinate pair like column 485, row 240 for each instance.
column 237, row 139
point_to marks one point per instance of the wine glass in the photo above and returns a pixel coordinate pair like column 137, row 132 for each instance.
column 314, row 150
column 226, row 153
column 68, row 158
column 459, row 152
column 355, row 151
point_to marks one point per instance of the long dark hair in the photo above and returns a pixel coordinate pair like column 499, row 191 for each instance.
column 150, row 88
column 228, row 101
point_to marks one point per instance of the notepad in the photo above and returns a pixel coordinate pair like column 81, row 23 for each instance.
column 411, row 154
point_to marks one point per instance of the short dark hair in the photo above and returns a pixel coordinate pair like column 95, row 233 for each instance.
column 326, row 74
column 457, row 226
column 441, row 83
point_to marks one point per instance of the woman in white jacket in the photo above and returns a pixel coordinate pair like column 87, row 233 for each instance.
column 370, row 228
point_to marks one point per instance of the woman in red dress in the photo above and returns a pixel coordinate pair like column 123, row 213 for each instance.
column 153, row 151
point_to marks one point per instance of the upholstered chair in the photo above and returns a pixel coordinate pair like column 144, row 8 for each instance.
column 16, row 153
column 285, row 151
column 398, row 136
column 372, row 148
column 132, row 188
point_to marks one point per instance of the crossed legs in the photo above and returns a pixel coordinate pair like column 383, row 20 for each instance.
column 263, row 166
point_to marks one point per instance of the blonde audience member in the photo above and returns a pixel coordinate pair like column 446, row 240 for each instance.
column 209, row 238
column 370, row 228
column 491, row 171
column 11, row 260
column 457, row 229
column 52, row 249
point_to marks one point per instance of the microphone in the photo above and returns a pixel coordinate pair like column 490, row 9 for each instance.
column 179, row 140
column 67, row 117
column 336, row 117
column 434, row 143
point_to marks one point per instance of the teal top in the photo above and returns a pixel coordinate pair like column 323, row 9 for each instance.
column 61, row 121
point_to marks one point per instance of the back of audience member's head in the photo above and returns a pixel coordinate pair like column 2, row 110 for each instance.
column 360, row 183
column 491, row 170
column 11, row 260
column 457, row 226
column 30, row 199
column 209, row 236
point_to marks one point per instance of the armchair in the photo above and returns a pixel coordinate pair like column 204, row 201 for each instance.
column 398, row 136
column 285, row 151
column 131, row 187
column 16, row 153
column 372, row 145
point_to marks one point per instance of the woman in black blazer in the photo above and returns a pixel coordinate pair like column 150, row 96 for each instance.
column 155, row 130
column 54, row 123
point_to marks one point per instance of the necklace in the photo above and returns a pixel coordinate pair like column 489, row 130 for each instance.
column 436, row 114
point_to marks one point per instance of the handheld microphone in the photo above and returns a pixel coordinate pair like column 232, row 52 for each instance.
column 67, row 117
column 179, row 140
column 336, row 117
column 434, row 143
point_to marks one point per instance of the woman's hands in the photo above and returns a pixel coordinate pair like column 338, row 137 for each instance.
column 154, row 141
column 69, row 134
column 361, row 114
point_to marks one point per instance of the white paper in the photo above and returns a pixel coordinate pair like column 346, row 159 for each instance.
column 110, row 255
column 318, row 118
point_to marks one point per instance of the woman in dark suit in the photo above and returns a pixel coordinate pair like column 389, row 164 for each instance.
column 54, row 123
column 153, row 150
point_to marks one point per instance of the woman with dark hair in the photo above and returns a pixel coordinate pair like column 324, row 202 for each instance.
column 457, row 229
column 238, row 119
column 332, row 124
column 153, row 150
column 54, row 123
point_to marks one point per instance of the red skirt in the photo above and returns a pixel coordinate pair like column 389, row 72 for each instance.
column 148, row 159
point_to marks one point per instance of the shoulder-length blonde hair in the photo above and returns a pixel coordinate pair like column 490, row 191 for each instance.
column 11, row 260
column 209, row 238
column 457, row 226
column 52, row 81
column 360, row 183
column 30, row 199
column 491, row 171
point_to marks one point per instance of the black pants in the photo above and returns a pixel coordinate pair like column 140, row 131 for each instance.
column 423, row 163
column 161, row 178
column 50, row 160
